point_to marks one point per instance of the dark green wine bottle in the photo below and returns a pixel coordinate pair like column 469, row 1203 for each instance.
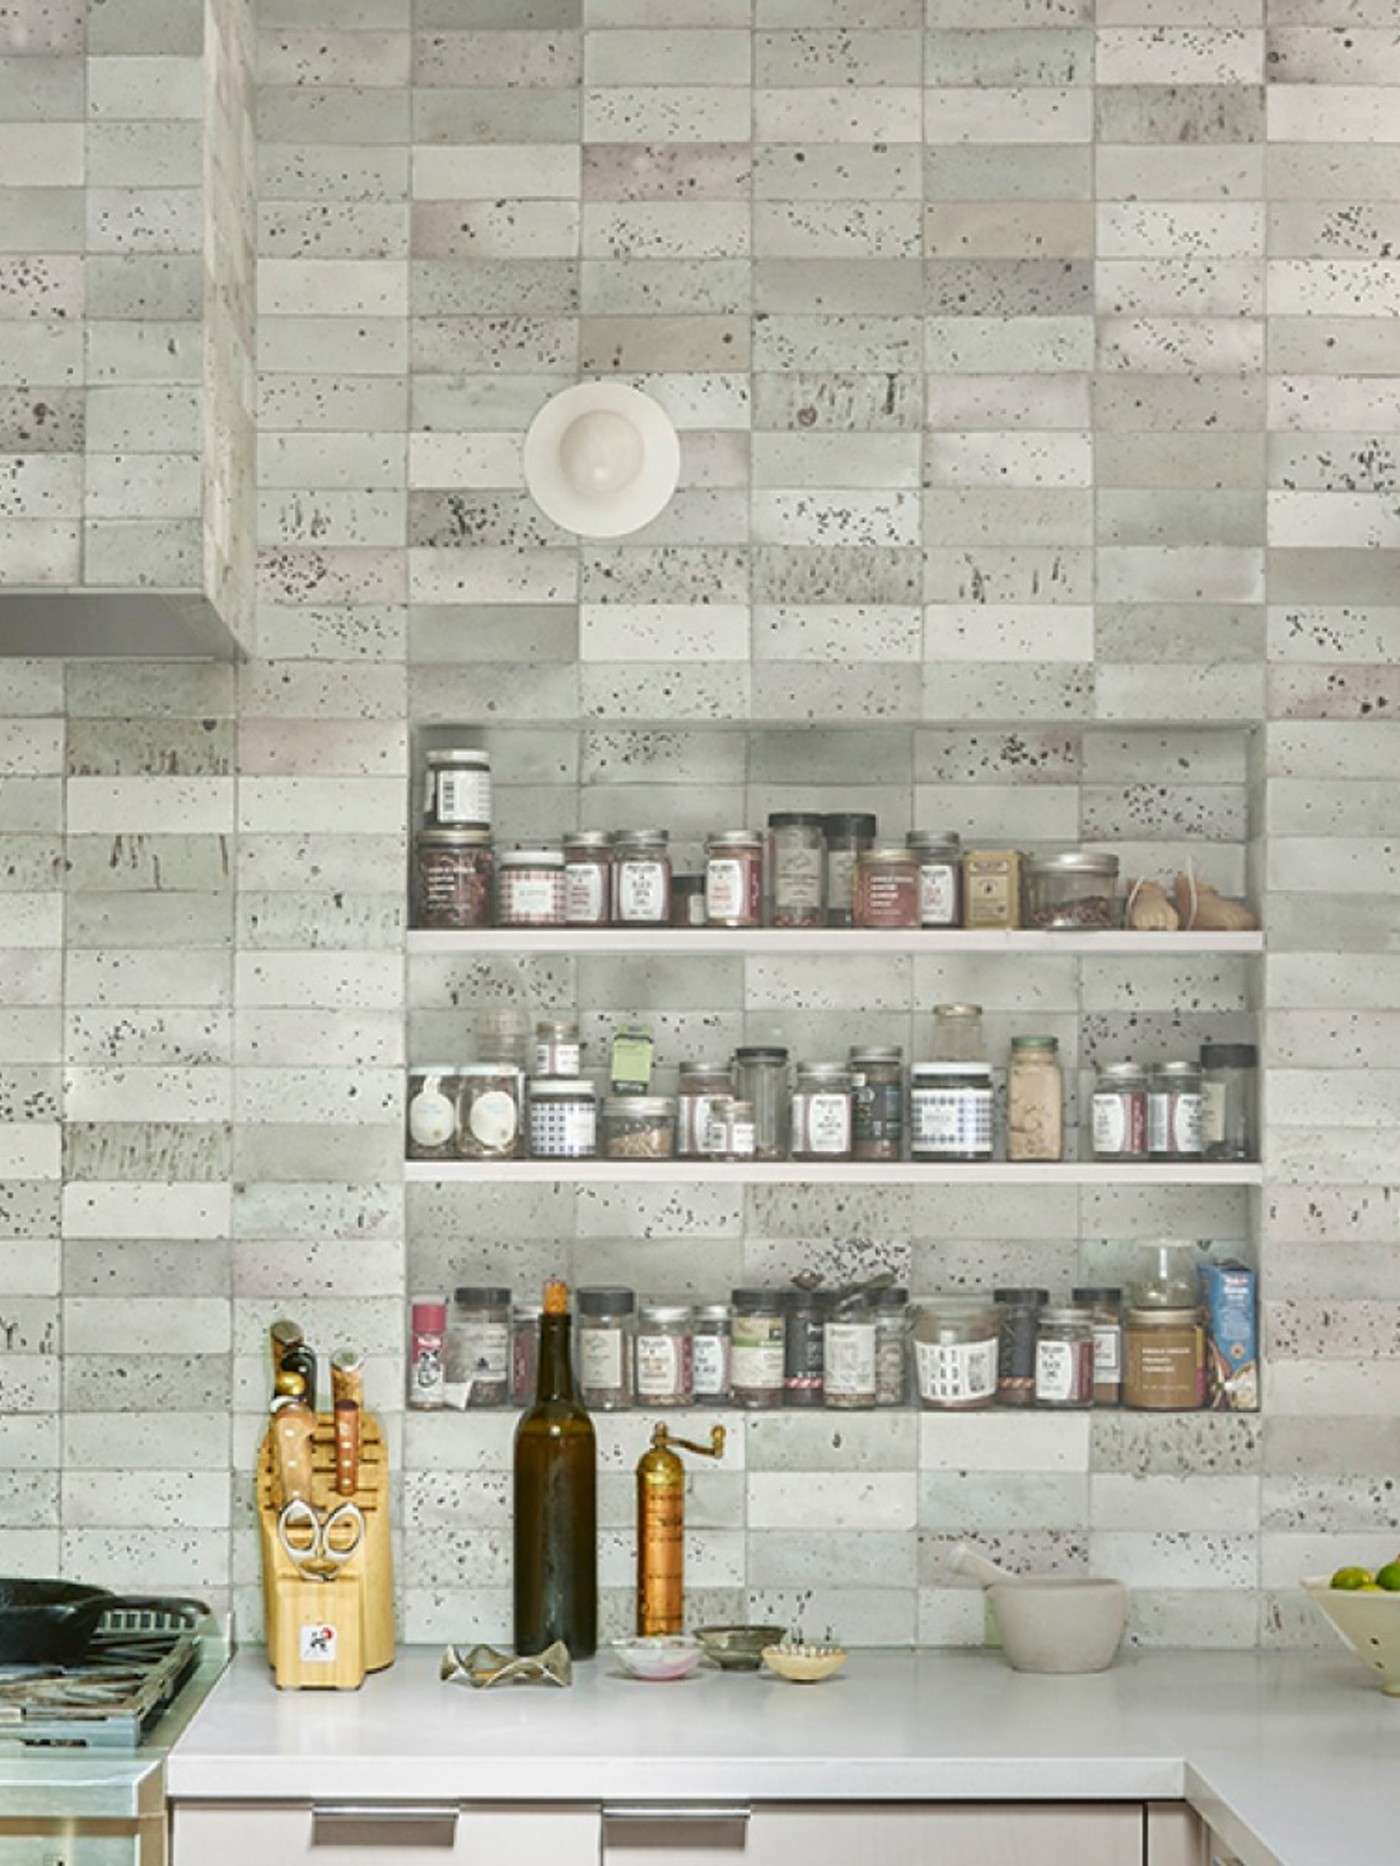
column 556, row 1518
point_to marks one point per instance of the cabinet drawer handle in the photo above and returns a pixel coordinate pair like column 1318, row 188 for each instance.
column 387, row 1823
column 624, row 1811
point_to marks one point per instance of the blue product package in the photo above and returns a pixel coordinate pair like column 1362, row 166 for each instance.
column 1232, row 1358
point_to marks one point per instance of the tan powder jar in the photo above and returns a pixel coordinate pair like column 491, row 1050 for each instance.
column 1163, row 1360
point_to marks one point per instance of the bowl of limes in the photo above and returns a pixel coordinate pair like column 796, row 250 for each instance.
column 1363, row 1607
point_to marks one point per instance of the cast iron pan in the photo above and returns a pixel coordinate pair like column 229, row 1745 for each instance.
column 51, row 1622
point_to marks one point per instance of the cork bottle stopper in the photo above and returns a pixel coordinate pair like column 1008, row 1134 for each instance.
column 556, row 1299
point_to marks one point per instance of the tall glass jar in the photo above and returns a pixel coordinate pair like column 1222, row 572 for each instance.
column 698, row 1086
column 877, row 1103
column 761, row 1079
column 796, row 858
column 846, row 834
column 757, row 1333
column 710, row 1354
column 850, row 1355
column 641, row 877
column 1228, row 1106
column 1105, row 1306
column 734, row 878
column 605, row 1321
column 1035, row 1100
column 804, row 1347
column 1174, row 1111
column 1019, row 1310
column 1064, row 1359
column 821, row 1112
column 891, row 1345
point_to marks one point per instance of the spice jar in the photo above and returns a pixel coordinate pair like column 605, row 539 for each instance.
column 1073, row 892
column 731, row 1131
column 1105, row 1308
column 955, row 1353
column 638, row 1127
column 734, row 879
column 605, row 1317
column 992, row 888
column 950, row 1111
column 804, row 1347
column 1018, row 1328
column 478, row 1345
column 877, row 1104
column 886, row 888
column 687, row 900
column 845, row 834
column 891, row 1345
column 1228, row 1072
column 939, row 856
column 1064, row 1359
column 697, row 1086
column 558, row 1051
column 524, row 1352
column 431, row 1112
column 1163, row 1359
column 563, row 1118
column 1035, row 1118
column 757, row 1332
column 530, row 888
column 588, row 863
column 662, row 1354
column 455, row 878
column 1174, row 1111
column 710, row 1353
column 1118, row 1114
column 488, row 1111
column 426, row 1374
column 761, row 1079
column 796, row 856
column 849, row 1354
column 641, row 877
column 821, row 1112
column 957, row 1034
column 457, row 789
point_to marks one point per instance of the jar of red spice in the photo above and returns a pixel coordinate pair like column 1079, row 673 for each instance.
column 887, row 887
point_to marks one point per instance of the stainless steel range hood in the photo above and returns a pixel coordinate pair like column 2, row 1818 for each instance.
column 110, row 625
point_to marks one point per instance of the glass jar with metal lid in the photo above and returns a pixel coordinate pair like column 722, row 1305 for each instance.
column 1229, row 1115
column 957, row 1034
column 663, row 1354
column 641, row 877
column 939, row 856
column 457, row 791
column 891, row 1345
column 1035, row 1100
column 558, row 1051
column 478, row 1345
column 530, row 888
column 454, row 878
column 758, row 1332
column 710, row 1353
column 1174, row 1111
column 730, row 1135
column 605, row 1316
column 734, row 878
column 1163, row 1359
column 1118, row 1112
column 761, row 1079
column 955, row 1352
column 698, row 1086
column 588, row 866
column 1019, row 1310
column 877, row 1103
column 849, row 1358
column 845, row 833
column 886, row 887
column 434, row 1091
column 638, row 1127
column 821, row 1112
column 1105, row 1306
column 796, row 859
column 1064, row 1359
column 1073, row 892
column 489, row 1108
column 563, row 1118
column 950, row 1111
column 804, row 1346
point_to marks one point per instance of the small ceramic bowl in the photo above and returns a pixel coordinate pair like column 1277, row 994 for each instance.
column 738, row 1648
column 804, row 1665
column 658, row 1656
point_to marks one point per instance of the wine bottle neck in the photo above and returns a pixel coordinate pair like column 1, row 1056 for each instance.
column 555, row 1379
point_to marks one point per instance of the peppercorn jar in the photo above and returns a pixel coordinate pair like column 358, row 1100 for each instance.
column 886, row 888
column 757, row 1333
column 710, row 1353
column 605, row 1318
column 455, row 873
column 641, row 877
column 950, row 1112
column 821, row 1112
column 530, row 888
column 1064, row 1359
column 891, row 1345
column 663, row 1354
column 955, row 1353
column 734, row 879
column 844, row 834
column 1105, row 1306
column 588, row 866
column 796, row 859
column 478, row 1346
column 1035, row 1105
column 939, row 857
column 1018, row 1326
column 804, row 1346
column 1118, row 1112
column 761, row 1079
column 849, row 1353
column 1174, row 1111
column 1075, row 892
column 698, row 1086
column 877, row 1103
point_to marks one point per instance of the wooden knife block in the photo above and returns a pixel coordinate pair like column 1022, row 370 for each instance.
column 330, row 1633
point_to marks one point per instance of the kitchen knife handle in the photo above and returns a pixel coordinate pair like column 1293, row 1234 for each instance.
column 347, row 1447
column 292, row 1425
column 348, row 1376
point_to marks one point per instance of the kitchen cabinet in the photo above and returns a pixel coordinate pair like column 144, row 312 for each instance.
column 361, row 1833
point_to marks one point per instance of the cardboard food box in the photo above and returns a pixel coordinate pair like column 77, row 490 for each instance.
column 1228, row 1296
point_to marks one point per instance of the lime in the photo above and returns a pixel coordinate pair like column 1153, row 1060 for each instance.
column 1388, row 1577
column 1352, row 1579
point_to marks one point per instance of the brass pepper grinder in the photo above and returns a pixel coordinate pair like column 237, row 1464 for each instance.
column 661, row 1528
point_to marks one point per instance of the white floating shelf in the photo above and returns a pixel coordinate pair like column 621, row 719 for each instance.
column 520, row 942
column 834, row 1173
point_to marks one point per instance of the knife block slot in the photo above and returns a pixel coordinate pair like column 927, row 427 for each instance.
column 328, row 1634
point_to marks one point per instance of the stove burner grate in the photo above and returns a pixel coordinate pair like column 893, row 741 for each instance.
column 137, row 1662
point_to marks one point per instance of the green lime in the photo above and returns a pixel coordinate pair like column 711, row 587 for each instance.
column 1351, row 1579
column 1388, row 1577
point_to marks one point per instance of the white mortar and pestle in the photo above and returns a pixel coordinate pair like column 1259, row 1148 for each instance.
column 1050, row 1622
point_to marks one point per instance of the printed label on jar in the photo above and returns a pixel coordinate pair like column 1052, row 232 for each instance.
column 756, row 1359
column 850, row 1360
column 726, row 888
column 1063, row 1372
column 956, row 1373
column 694, row 1114
column 558, row 1056
column 938, row 895
column 1174, row 1122
column 463, row 797
column 1119, row 1122
column 663, row 1366
column 531, row 897
column 821, row 1123
column 641, row 891
column 600, row 1359
column 585, row 894
column 1108, row 1353
column 563, row 1130
column 952, row 1121
column 840, row 881
column 493, row 1119
column 877, row 1111
column 709, row 1355
column 479, row 1352
column 432, row 1119
column 797, row 879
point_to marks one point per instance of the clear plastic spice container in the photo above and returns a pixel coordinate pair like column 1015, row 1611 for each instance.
column 957, row 1034
column 558, row 1051
column 1035, row 1100
column 455, row 878
column 1228, row 1101
column 939, row 856
column 710, row 1353
column 1174, row 1111
column 886, row 888
column 845, row 834
column 478, row 1345
column 950, row 1111
column 804, row 1347
column 588, row 865
column 530, row 888
column 850, row 1353
column 1118, row 1113
column 457, row 788
column 1073, row 892
column 489, row 1111
column 731, row 1130
column 638, row 1127
column 563, row 1118
column 641, row 877
column 796, row 858
column 663, row 1354
column 604, row 1320
column 698, row 1086
column 757, row 1336
column 955, row 1352
column 1019, row 1311
column 891, row 1345
column 1105, row 1308
column 821, row 1112
column 877, row 1104
column 734, row 879
column 1064, row 1359
column 761, row 1079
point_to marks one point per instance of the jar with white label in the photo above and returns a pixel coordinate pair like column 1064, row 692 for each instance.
column 730, row 1133
column 821, row 1112
column 605, row 1318
column 488, row 1111
column 734, row 879
column 1064, row 1359
column 796, row 858
column 563, row 1118
column 588, row 867
column 663, row 1355
column 455, row 883
column 1174, row 1111
column 530, row 888
column 950, row 1111
column 849, row 1359
column 757, row 1333
column 558, row 1051
column 457, row 789
column 431, row 1114
column 955, row 1352
column 709, row 1340
column 478, row 1346
column 698, row 1086
column 641, row 877
column 1118, row 1112
column 939, row 855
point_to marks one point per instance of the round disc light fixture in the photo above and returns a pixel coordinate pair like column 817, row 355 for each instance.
column 602, row 459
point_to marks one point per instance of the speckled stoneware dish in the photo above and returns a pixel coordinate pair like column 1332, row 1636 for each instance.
column 1368, row 1623
column 804, row 1665
column 738, row 1648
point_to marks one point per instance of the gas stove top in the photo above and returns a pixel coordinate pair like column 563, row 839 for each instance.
column 136, row 1664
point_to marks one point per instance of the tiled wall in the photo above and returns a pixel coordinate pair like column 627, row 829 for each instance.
column 1035, row 364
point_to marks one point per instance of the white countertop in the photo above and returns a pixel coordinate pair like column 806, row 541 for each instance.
column 1291, row 1756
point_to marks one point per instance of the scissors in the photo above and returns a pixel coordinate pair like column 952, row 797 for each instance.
column 320, row 1542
